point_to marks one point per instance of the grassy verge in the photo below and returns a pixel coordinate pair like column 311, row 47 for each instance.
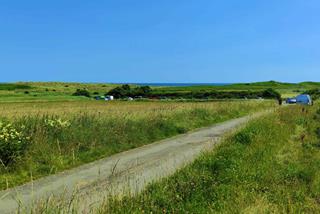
column 58, row 136
column 271, row 166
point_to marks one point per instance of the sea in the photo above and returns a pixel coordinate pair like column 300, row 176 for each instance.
column 180, row 84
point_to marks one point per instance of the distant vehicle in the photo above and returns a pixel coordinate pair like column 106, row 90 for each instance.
column 99, row 97
column 130, row 98
column 291, row 101
column 304, row 99
column 107, row 98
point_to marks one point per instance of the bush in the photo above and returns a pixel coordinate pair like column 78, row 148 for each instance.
column 13, row 143
column 82, row 92
column 314, row 93
column 126, row 91
column 271, row 93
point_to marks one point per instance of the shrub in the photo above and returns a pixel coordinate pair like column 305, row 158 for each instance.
column 271, row 93
column 127, row 91
column 13, row 143
column 314, row 93
column 82, row 92
column 27, row 92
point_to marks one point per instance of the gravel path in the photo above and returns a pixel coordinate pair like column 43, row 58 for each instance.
column 125, row 172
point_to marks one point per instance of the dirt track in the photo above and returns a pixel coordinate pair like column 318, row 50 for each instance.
column 128, row 171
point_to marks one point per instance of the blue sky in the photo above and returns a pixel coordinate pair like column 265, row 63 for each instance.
column 160, row 41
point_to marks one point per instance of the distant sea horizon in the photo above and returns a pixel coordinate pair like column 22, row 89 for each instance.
column 179, row 84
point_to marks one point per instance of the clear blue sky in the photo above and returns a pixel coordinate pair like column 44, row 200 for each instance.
column 160, row 41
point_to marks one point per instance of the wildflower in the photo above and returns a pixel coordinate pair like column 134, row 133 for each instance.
column 57, row 123
column 12, row 143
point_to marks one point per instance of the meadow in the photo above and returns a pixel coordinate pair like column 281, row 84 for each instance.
column 43, row 138
column 270, row 166
column 60, row 91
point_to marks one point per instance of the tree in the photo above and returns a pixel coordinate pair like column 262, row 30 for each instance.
column 271, row 93
column 127, row 91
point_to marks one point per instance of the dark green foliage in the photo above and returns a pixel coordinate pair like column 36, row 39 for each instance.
column 268, row 94
column 145, row 91
column 11, row 87
column 242, row 137
column 82, row 92
column 271, row 94
column 318, row 132
column 127, row 91
column 314, row 93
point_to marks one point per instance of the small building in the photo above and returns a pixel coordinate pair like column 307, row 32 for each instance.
column 304, row 99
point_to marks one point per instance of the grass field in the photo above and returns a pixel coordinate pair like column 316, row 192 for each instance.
column 271, row 166
column 48, row 91
column 61, row 135
column 286, row 89
column 59, row 91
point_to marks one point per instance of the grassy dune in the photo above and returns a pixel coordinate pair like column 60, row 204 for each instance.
column 271, row 166
column 61, row 135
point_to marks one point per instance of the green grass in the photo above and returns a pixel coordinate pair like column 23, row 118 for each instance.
column 48, row 91
column 100, row 129
column 42, row 91
column 271, row 166
column 286, row 89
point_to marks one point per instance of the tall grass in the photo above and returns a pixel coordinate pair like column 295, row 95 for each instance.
column 68, row 134
column 271, row 166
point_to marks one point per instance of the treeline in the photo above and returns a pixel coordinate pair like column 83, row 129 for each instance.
column 266, row 94
column 145, row 91
column 128, row 91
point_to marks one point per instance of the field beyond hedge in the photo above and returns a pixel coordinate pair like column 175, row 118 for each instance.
column 43, row 138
